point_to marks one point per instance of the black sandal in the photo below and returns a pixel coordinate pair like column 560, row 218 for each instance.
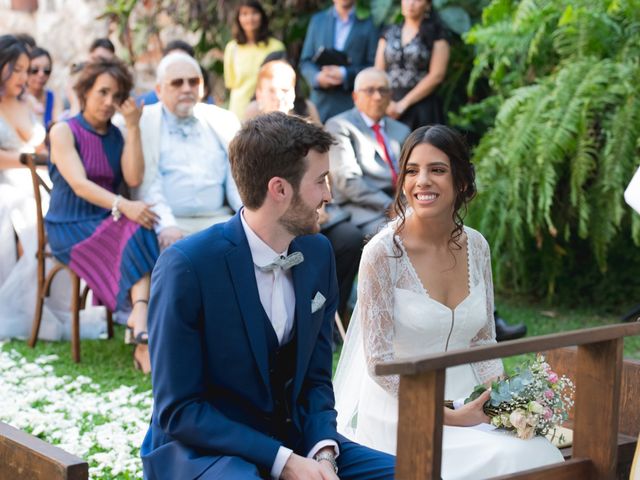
column 142, row 338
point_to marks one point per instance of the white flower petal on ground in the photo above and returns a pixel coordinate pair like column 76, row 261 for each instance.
column 105, row 428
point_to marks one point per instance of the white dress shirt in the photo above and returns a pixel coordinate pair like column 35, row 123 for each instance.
column 280, row 281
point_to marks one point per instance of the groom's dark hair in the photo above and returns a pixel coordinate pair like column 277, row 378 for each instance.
column 273, row 145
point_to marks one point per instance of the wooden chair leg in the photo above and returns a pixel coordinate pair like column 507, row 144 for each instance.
column 75, row 317
column 109, row 324
column 37, row 316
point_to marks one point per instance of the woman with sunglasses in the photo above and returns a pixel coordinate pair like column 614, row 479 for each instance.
column 20, row 132
column 45, row 103
column 243, row 56
column 106, row 239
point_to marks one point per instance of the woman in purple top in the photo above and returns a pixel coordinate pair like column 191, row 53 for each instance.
column 106, row 239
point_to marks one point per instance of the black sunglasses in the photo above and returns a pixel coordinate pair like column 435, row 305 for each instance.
column 35, row 70
column 178, row 82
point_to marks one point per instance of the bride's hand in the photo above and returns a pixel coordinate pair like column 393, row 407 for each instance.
column 469, row 414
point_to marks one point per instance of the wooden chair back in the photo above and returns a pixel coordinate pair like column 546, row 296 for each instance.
column 25, row 457
column 597, row 376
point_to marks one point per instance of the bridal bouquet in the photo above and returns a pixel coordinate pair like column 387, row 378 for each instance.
column 532, row 402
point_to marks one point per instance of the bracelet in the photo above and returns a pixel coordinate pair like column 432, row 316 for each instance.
column 115, row 211
column 329, row 457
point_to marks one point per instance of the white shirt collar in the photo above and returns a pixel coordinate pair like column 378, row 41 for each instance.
column 369, row 121
column 261, row 253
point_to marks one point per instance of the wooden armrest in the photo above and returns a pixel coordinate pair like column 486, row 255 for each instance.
column 25, row 456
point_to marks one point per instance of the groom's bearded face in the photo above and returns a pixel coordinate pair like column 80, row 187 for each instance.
column 300, row 218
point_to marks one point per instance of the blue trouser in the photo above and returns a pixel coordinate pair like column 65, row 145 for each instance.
column 354, row 463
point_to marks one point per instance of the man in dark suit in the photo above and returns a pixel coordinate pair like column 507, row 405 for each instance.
column 240, row 323
column 337, row 28
column 365, row 157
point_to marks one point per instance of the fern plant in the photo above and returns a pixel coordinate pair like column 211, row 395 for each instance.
column 564, row 142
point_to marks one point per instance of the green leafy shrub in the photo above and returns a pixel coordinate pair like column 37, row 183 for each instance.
column 564, row 142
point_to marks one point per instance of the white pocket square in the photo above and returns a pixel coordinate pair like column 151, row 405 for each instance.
column 317, row 302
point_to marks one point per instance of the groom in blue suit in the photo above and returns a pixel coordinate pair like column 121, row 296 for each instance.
column 240, row 324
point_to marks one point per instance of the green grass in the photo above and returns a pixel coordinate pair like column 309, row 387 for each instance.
column 107, row 362
column 543, row 320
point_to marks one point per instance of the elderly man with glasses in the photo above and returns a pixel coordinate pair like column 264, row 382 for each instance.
column 364, row 161
column 184, row 142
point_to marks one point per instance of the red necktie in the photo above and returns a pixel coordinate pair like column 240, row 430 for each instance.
column 386, row 157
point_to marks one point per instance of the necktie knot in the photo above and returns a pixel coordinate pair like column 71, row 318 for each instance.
column 285, row 263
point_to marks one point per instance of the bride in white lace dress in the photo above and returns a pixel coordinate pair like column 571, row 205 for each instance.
column 425, row 286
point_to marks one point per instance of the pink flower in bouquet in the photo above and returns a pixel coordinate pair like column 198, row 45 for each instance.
column 552, row 377
column 549, row 394
column 548, row 413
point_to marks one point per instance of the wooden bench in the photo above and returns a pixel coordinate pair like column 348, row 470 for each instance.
column 25, row 457
column 563, row 361
column 598, row 372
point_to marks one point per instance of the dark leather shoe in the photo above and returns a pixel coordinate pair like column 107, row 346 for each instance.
column 504, row 331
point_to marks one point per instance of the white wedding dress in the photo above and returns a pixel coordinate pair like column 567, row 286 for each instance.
column 396, row 318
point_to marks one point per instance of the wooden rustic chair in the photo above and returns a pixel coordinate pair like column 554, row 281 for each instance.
column 563, row 361
column 340, row 327
column 598, row 373
column 25, row 457
column 44, row 278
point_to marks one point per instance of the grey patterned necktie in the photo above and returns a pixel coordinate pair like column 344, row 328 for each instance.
column 283, row 262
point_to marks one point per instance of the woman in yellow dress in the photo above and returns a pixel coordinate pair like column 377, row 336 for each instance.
column 245, row 53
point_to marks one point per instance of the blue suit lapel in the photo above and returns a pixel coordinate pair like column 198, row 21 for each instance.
column 240, row 264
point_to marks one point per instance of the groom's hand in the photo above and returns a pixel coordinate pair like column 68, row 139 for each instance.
column 301, row 468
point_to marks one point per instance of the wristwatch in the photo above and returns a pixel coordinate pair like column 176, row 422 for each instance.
column 329, row 457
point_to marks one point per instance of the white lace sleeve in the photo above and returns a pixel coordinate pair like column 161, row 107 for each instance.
column 485, row 371
column 375, row 305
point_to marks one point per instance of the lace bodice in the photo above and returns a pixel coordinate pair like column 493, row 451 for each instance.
column 400, row 319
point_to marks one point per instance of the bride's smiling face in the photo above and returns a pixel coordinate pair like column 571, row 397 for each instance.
column 428, row 182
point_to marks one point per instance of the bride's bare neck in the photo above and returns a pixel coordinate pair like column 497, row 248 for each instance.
column 436, row 233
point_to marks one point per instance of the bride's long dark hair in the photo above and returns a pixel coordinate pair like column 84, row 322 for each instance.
column 454, row 146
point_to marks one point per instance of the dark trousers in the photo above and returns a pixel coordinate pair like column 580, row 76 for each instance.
column 354, row 463
column 346, row 240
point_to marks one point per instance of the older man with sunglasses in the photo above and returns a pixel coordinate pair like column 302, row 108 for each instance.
column 184, row 142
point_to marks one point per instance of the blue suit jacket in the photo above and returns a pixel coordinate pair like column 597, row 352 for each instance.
column 360, row 46
column 208, row 349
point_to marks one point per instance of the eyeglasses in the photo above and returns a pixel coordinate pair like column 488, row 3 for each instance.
column 35, row 70
column 369, row 91
column 178, row 82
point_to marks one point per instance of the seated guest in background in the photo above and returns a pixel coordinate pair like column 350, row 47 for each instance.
column 20, row 132
column 336, row 28
column 184, row 143
column 151, row 97
column 276, row 92
column 364, row 161
column 107, row 240
column 102, row 48
column 45, row 103
column 252, row 42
